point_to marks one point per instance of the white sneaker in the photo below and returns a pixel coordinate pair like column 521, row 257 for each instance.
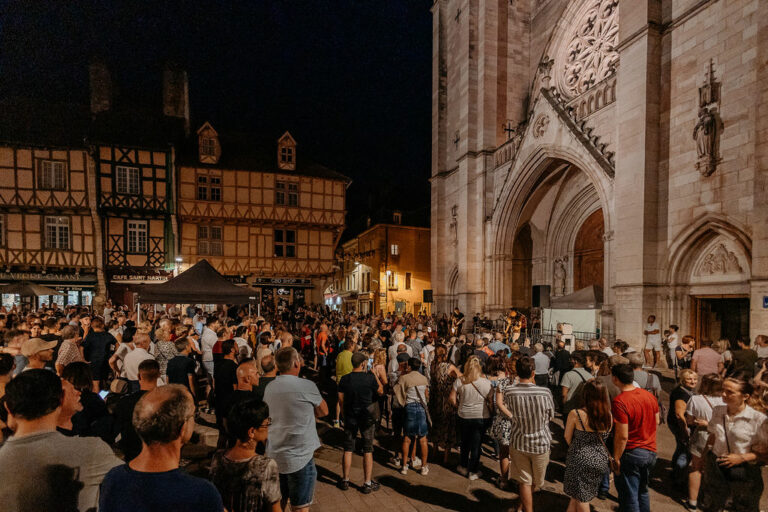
column 396, row 462
column 416, row 463
column 404, row 470
column 474, row 476
column 461, row 470
column 424, row 470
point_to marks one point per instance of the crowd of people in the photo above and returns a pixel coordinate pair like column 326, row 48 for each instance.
column 97, row 405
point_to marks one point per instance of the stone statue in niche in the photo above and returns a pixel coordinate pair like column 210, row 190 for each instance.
column 559, row 275
column 706, row 132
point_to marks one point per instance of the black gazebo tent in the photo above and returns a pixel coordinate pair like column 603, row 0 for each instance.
column 200, row 284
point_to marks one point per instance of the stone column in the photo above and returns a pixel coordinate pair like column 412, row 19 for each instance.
column 635, row 253
column 758, row 318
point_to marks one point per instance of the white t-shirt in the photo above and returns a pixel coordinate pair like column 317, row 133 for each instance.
column 132, row 362
column 672, row 341
column 241, row 343
column 653, row 338
column 699, row 408
column 207, row 340
column 471, row 398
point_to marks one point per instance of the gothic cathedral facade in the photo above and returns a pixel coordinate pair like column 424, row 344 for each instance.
column 617, row 145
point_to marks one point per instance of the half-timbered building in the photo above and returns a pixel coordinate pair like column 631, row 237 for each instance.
column 132, row 150
column 260, row 212
column 46, row 224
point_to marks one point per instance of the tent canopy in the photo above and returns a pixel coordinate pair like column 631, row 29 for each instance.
column 590, row 297
column 25, row 289
column 200, row 284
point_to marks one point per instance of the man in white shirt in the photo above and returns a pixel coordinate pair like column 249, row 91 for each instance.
column 652, row 334
column 399, row 340
column 542, row 361
column 208, row 339
column 134, row 358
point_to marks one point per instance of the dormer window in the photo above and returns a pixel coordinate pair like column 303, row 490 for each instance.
column 286, row 152
column 208, row 146
column 397, row 217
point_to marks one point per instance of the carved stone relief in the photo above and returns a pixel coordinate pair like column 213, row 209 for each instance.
column 718, row 262
column 540, row 125
column 590, row 55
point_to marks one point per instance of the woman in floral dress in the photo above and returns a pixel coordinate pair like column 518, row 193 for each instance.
column 501, row 428
column 442, row 413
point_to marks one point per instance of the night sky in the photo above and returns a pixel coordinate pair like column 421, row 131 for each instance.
column 350, row 79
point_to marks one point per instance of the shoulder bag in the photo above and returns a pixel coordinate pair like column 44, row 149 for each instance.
column 424, row 406
column 487, row 399
column 738, row 473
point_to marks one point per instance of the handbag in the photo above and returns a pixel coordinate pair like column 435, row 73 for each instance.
column 738, row 473
column 611, row 460
column 487, row 399
column 424, row 406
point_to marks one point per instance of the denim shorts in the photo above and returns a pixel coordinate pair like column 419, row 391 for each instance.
column 415, row 421
column 299, row 487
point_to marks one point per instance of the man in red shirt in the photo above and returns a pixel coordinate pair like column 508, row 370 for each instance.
column 635, row 415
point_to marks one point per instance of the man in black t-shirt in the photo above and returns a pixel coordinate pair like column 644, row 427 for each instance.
column 98, row 347
column 181, row 369
column 225, row 383
column 50, row 332
column 357, row 393
column 130, row 444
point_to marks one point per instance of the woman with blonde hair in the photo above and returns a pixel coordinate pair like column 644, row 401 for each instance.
column 472, row 394
column 678, row 402
column 722, row 347
column 379, row 369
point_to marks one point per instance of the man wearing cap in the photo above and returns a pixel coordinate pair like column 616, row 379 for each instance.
column 38, row 352
column 358, row 391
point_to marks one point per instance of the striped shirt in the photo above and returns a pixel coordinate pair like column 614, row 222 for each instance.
column 532, row 408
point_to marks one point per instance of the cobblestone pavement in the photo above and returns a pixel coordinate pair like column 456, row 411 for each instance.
column 443, row 489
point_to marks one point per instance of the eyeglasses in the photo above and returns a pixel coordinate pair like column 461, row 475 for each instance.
column 267, row 423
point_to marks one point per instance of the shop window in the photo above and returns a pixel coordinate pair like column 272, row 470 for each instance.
column 285, row 243
column 407, row 280
column 57, row 233
column 137, row 237
column 209, row 188
column 51, row 175
column 127, row 180
column 209, row 241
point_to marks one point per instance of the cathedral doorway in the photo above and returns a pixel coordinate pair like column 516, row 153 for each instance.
column 717, row 317
column 589, row 252
column 522, row 268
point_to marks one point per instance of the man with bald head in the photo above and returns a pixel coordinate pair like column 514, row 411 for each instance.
column 164, row 418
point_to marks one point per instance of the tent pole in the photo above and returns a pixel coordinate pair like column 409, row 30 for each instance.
column 138, row 312
column 249, row 309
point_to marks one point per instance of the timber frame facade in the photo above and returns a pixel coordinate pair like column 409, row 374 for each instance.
column 96, row 202
column 269, row 220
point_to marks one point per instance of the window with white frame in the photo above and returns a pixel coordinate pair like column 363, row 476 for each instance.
column 209, row 241
column 137, row 237
column 285, row 243
column 56, row 232
column 395, row 250
column 51, row 175
column 392, row 281
column 127, row 180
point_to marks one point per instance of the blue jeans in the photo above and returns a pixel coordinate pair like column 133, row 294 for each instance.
column 632, row 482
column 299, row 487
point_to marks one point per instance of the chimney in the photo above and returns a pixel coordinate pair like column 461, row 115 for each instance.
column 176, row 94
column 101, row 86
